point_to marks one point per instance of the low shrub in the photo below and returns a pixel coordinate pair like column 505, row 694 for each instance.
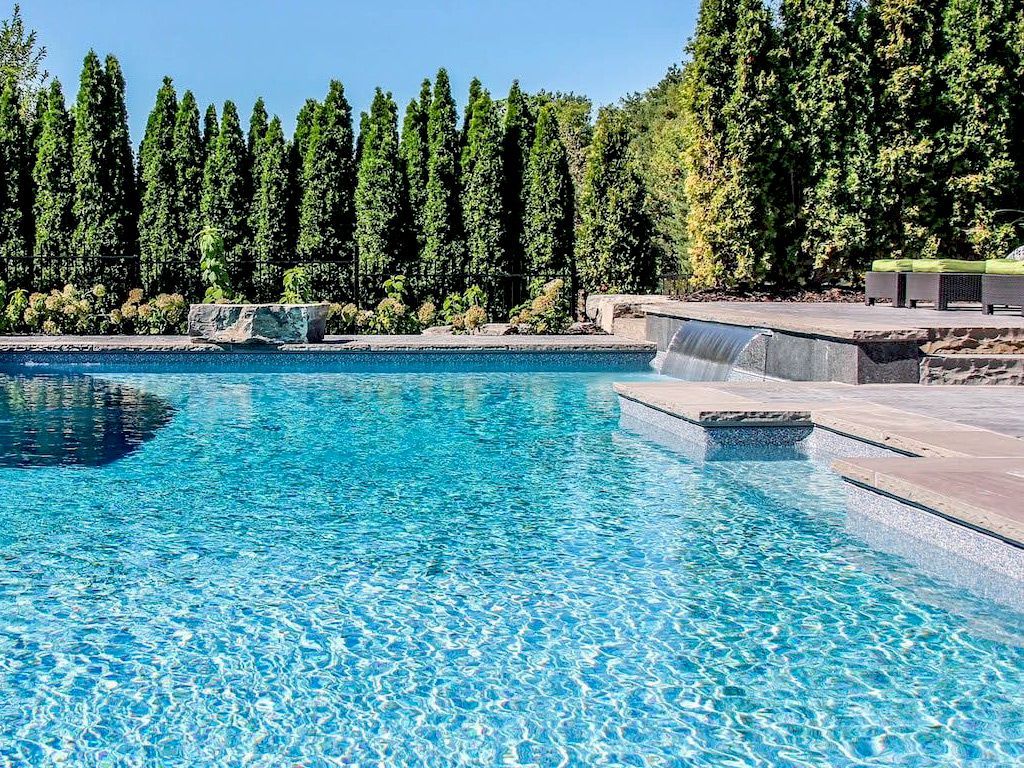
column 547, row 311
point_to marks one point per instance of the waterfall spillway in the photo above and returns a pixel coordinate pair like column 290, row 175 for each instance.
column 705, row 351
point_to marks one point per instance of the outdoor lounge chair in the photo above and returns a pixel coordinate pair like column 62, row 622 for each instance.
column 942, row 281
column 1002, row 285
column 887, row 280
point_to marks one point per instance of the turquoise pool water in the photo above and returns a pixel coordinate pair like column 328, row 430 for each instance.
column 468, row 568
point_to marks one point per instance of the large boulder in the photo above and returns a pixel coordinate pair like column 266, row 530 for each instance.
column 258, row 323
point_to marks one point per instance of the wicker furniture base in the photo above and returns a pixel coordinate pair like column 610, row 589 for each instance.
column 885, row 285
column 1001, row 290
column 942, row 288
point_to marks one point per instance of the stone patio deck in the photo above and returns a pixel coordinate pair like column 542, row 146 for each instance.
column 965, row 445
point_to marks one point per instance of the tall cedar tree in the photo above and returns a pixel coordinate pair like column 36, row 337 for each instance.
column 259, row 122
column 15, row 187
column 906, row 40
column 827, row 82
column 576, row 127
column 188, row 171
column 613, row 250
column 749, row 217
column 272, row 219
column 483, row 180
column 55, row 192
column 327, row 216
column 122, row 166
column 516, row 145
column 227, row 194
column 211, row 129
column 104, row 178
column 383, row 226
column 444, row 249
column 710, row 83
column 549, row 204
column 476, row 88
column 415, row 153
column 297, row 148
column 161, row 235
column 978, row 97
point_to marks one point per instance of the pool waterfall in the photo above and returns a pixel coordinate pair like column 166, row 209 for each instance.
column 702, row 351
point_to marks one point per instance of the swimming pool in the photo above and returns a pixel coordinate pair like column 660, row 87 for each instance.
column 464, row 568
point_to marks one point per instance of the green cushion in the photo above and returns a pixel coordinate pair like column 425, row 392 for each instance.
column 892, row 265
column 949, row 265
column 1004, row 267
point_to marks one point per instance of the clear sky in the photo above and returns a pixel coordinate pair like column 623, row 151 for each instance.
column 288, row 51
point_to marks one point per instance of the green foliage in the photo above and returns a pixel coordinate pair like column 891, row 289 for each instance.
column 444, row 248
column 415, row 155
column 483, row 181
column 327, row 214
column 548, row 311
column 517, row 142
column 214, row 267
column 465, row 312
column 167, row 313
column 576, row 129
column 162, row 236
column 15, row 189
column 103, row 175
column 392, row 314
column 272, row 211
column 826, row 77
column 21, row 59
column 298, row 287
column 476, row 89
column 658, row 122
column 227, row 190
column 188, row 155
column 613, row 248
column 211, row 129
column 259, row 122
column 905, row 36
column 549, row 204
column 981, row 101
column 748, row 217
column 382, row 213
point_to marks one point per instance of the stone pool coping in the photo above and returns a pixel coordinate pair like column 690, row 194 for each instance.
column 331, row 345
column 964, row 472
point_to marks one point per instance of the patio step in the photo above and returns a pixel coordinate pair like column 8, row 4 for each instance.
column 975, row 369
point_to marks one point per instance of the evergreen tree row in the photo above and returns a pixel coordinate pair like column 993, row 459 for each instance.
column 457, row 199
column 834, row 133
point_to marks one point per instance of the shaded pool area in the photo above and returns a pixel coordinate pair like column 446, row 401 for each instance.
column 468, row 568
column 74, row 420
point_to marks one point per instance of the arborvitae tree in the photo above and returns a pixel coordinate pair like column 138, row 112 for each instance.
column 96, row 213
column 483, row 180
column 905, row 36
column 273, row 234
column 55, row 192
column 227, row 192
column 711, row 79
column 613, row 250
column 827, row 82
column 549, row 204
column 161, row 235
column 124, row 194
column 576, row 127
column 327, row 215
column 188, row 171
column 211, row 129
column 259, row 122
column 476, row 88
column 15, row 206
column 382, row 212
column 748, row 215
column 979, row 91
column 415, row 153
column 443, row 250
column 516, row 146
column 297, row 149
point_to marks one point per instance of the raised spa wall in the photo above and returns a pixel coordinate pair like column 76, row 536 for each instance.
column 785, row 355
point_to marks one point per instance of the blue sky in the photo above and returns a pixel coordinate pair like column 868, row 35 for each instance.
column 288, row 51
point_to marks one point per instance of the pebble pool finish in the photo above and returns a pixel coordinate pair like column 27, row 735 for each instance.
column 473, row 568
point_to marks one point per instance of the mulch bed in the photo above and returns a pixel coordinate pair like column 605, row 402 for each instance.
column 834, row 295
